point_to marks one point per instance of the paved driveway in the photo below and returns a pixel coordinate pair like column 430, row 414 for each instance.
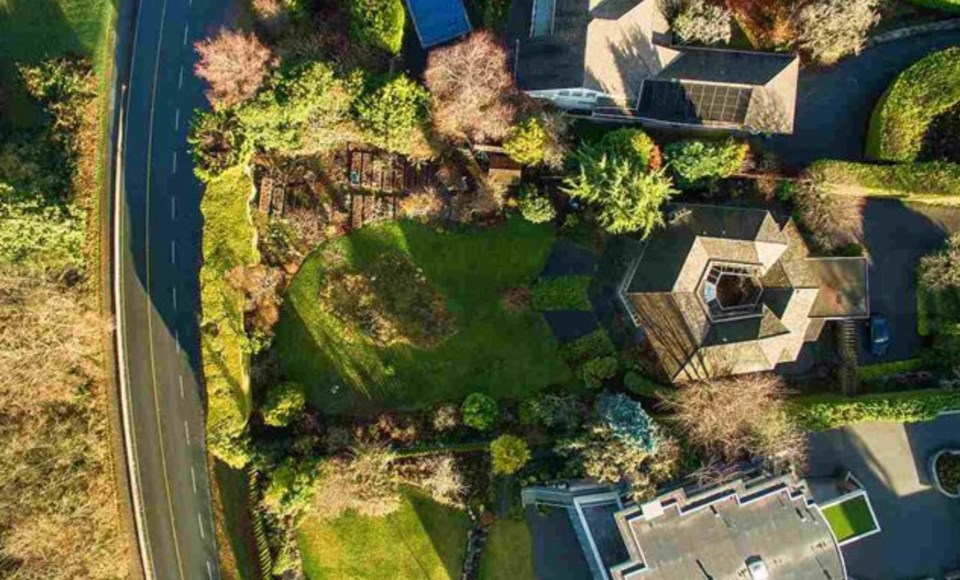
column 896, row 236
column 834, row 104
column 921, row 527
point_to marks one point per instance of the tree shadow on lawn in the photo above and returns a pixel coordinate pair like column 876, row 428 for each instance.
column 33, row 30
column 447, row 528
column 502, row 353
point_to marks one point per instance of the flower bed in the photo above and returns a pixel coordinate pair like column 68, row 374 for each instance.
column 946, row 472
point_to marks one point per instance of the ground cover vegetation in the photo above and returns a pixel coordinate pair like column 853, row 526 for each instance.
column 911, row 179
column 698, row 21
column 822, row 412
column 58, row 488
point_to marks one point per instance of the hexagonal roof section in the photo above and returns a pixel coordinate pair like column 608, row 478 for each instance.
column 725, row 290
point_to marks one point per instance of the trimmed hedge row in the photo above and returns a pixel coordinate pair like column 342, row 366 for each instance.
column 937, row 312
column 879, row 372
column 933, row 178
column 945, row 5
column 822, row 412
column 919, row 94
column 594, row 345
column 561, row 293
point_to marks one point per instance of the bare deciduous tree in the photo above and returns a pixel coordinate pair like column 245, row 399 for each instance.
column 732, row 418
column 472, row 89
column 234, row 64
column 833, row 220
column 832, row 29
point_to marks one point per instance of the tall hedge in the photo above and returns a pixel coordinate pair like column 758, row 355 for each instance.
column 918, row 95
column 930, row 178
column 378, row 23
column 823, row 412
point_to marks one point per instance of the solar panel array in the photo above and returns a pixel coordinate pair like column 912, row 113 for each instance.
column 694, row 102
column 438, row 21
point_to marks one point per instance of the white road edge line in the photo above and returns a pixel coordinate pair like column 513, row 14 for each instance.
column 174, row 162
column 209, row 571
column 181, row 386
column 176, row 339
column 186, row 33
column 173, row 208
column 180, row 84
column 193, row 477
column 173, row 251
column 133, row 462
column 186, row 431
column 200, row 523
column 174, row 298
column 176, row 119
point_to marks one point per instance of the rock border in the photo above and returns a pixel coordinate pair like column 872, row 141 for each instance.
column 936, row 478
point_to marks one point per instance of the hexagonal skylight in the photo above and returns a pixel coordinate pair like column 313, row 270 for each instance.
column 731, row 290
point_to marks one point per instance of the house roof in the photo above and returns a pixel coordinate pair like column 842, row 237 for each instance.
column 717, row 532
column 726, row 290
column 623, row 49
column 599, row 45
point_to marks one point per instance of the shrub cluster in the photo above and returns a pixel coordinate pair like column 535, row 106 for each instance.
column 561, row 293
column 479, row 411
column 697, row 163
column 824, row 412
column 378, row 23
column 918, row 95
column 534, row 206
column 593, row 345
column 508, row 454
column 597, row 370
column 930, row 178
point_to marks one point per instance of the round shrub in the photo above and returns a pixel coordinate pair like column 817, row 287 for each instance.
column 628, row 422
column 597, row 370
column 632, row 144
column 508, row 454
column 284, row 402
column 534, row 206
column 479, row 411
column 527, row 143
column 700, row 163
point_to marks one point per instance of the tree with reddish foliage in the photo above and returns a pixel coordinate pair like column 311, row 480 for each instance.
column 234, row 64
column 473, row 91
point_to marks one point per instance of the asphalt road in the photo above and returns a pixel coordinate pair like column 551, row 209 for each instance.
column 159, row 258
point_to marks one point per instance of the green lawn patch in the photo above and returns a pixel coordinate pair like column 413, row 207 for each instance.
column 850, row 518
column 422, row 539
column 508, row 553
column 879, row 372
column 501, row 353
column 561, row 293
column 931, row 86
column 32, row 30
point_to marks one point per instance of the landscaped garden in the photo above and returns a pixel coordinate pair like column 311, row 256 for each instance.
column 483, row 345
column 422, row 539
column 850, row 518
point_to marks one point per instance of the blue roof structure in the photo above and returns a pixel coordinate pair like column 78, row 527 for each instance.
column 438, row 21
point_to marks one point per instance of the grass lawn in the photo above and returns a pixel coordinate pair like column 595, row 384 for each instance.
column 849, row 518
column 508, row 554
column 495, row 351
column 31, row 30
column 422, row 539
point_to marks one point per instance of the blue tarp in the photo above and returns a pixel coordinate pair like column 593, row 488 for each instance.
column 438, row 21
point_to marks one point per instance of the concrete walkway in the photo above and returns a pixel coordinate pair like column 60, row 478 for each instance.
column 834, row 104
column 921, row 527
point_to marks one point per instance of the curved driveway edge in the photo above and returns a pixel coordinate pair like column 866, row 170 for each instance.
column 834, row 104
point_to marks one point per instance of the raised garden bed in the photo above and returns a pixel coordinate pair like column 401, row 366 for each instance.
column 851, row 519
column 945, row 472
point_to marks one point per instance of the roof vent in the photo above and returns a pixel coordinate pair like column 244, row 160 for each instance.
column 757, row 568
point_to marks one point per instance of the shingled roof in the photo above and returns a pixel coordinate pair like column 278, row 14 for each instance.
column 725, row 290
